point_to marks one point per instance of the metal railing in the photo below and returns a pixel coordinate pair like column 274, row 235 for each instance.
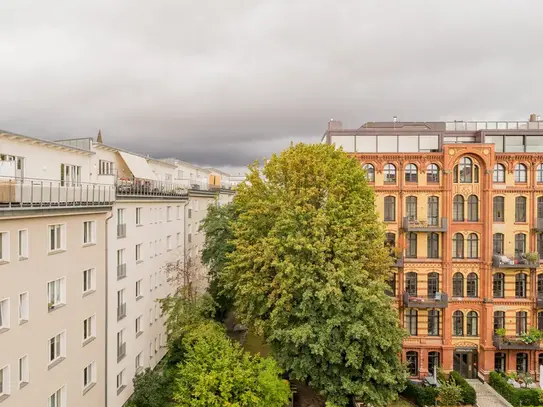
column 121, row 271
column 144, row 187
column 493, row 125
column 121, row 311
column 513, row 342
column 514, row 262
column 439, row 300
column 39, row 193
column 121, row 230
column 425, row 225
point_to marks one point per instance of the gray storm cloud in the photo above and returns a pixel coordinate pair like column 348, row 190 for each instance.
column 222, row 83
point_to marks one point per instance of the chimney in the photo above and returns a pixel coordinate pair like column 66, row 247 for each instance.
column 334, row 125
column 99, row 138
column 533, row 117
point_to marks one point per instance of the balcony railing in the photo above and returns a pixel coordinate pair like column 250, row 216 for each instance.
column 121, row 271
column 41, row 193
column 121, row 311
column 143, row 187
column 121, row 351
column 426, row 225
column 514, row 262
column 439, row 300
column 121, row 230
column 513, row 342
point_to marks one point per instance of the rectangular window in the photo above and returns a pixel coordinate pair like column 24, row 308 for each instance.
column 139, row 361
column 105, row 167
column 89, row 328
column 520, row 209
column 139, row 219
column 88, row 280
column 70, row 175
column 190, row 214
column 121, row 344
column 168, row 213
column 121, row 225
column 168, row 243
column 56, row 293
column 4, row 314
column 138, row 325
column 178, row 211
column 390, row 209
column 499, row 206
column 58, row 398
column 4, row 246
column 178, row 239
column 5, row 381
column 89, row 375
column 120, row 380
column 57, row 347
column 121, row 305
column 89, row 232
column 121, row 265
column 23, row 244
column 138, row 252
column 57, row 238
column 23, row 307
column 138, row 289
column 24, row 376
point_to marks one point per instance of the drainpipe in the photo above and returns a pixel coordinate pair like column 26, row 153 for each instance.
column 107, row 296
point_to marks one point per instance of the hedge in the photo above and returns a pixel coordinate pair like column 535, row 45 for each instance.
column 468, row 393
column 512, row 395
column 420, row 395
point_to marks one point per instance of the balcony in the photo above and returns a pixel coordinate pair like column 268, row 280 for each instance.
column 513, row 342
column 28, row 193
column 121, row 311
column 427, row 225
column 524, row 261
column 121, row 271
column 439, row 300
column 121, row 230
column 130, row 187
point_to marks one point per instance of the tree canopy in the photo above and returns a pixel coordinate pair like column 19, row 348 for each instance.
column 308, row 272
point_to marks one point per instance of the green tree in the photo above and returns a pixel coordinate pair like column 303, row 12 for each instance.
column 151, row 389
column 308, row 272
column 217, row 228
column 216, row 372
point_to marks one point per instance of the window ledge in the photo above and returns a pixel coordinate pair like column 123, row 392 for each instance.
column 120, row 389
column 2, row 330
column 88, row 388
column 88, row 292
column 139, row 369
column 119, row 358
column 4, row 397
column 52, row 252
column 3, row 262
column 139, row 261
column 139, row 225
column 23, row 321
column 23, row 258
column 88, row 340
column 55, row 307
column 55, row 362
column 89, row 244
column 22, row 385
column 138, row 334
column 139, row 297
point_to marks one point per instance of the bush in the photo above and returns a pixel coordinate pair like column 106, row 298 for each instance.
column 152, row 388
column 468, row 393
column 420, row 395
column 450, row 394
column 514, row 396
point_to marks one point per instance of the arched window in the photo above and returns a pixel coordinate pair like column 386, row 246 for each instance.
column 411, row 251
column 370, row 172
column 433, row 322
column 411, row 321
column 432, row 174
column 499, row 362
column 540, row 285
column 458, row 285
column 520, row 209
column 473, row 208
column 458, row 246
column 390, row 239
column 472, row 324
column 466, row 170
column 520, row 173
column 473, row 246
column 411, row 173
column 498, row 208
column 433, row 245
column 497, row 243
column 498, row 284
column 433, row 361
column 539, row 173
column 472, row 285
column 433, row 211
column 521, row 322
column 433, row 284
column 458, row 323
column 499, row 320
column 458, row 208
column 390, row 208
column 520, row 285
column 520, row 245
column 411, row 283
column 392, row 284
column 522, row 362
column 390, row 174
column 499, row 173
column 411, row 207
column 412, row 358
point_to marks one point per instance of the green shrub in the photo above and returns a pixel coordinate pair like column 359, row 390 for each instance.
column 420, row 395
column 450, row 394
column 514, row 396
column 468, row 393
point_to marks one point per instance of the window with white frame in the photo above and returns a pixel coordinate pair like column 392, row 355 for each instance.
column 56, row 292
column 57, row 237
column 139, row 214
column 139, row 361
column 120, row 380
column 89, row 328
column 138, row 289
column 57, row 347
column 89, row 232
column 178, row 239
column 121, row 344
column 58, row 398
column 169, row 243
column 138, row 325
column 178, row 211
column 5, row 381
column 70, row 175
column 4, row 246
column 168, row 213
column 89, row 375
column 23, row 244
column 89, row 276
column 24, row 376
column 189, row 215
column 4, row 314
column 138, row 252
column 23, row 307
column 105, row 167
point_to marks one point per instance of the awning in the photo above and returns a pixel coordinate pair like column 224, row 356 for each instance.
column 138, row 166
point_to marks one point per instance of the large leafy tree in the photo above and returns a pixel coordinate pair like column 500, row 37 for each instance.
column 216, row 372
column 309, row 271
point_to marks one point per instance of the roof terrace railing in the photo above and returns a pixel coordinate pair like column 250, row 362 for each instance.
column 493, row 125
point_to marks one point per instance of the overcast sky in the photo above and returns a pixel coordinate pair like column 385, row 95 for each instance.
column 225, row 82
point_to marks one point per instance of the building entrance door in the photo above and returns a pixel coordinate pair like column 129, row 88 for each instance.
column 465, row 363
